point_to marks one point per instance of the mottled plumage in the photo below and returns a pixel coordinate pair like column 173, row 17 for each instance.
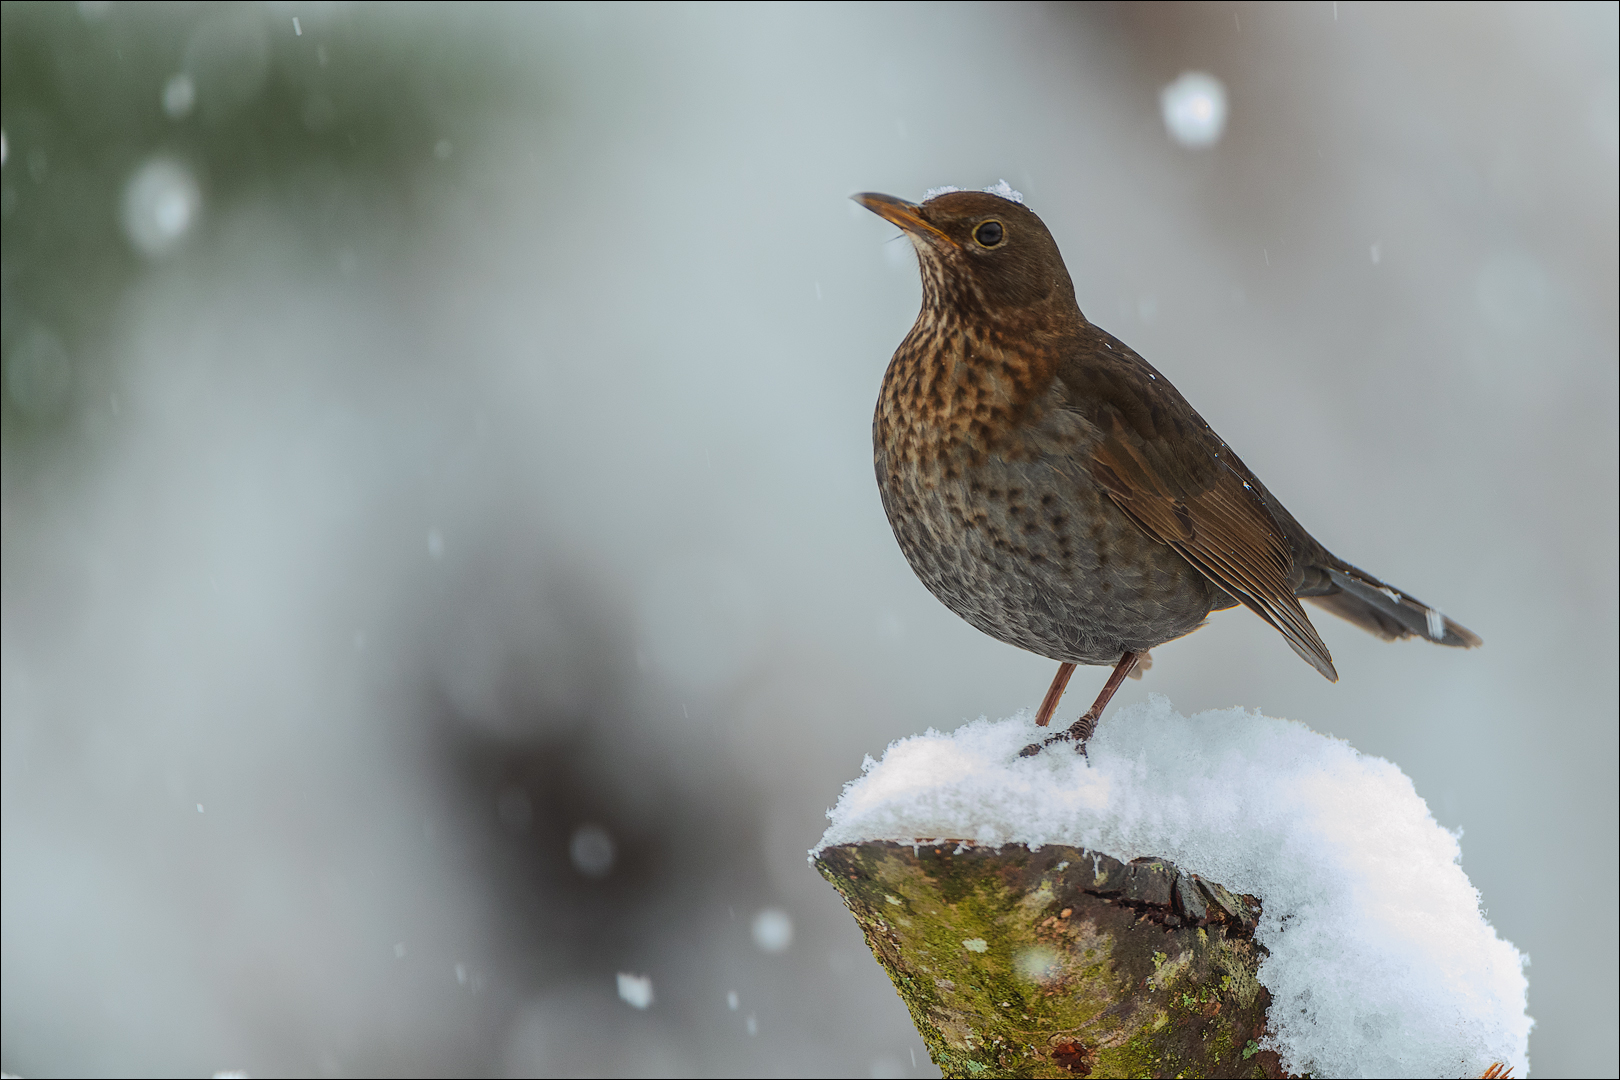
column 1052, row 488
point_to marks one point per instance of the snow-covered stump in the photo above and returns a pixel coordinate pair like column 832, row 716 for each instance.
column 1365, row 953
column 1061, row 962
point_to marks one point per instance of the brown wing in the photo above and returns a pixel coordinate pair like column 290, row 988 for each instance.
column 1164, row 467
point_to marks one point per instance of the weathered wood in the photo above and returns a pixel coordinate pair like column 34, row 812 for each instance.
column 1061, row 962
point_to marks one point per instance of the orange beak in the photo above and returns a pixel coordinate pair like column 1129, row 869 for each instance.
column 901, row 213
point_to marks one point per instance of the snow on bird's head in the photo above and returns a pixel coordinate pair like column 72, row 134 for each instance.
column 1000, row 187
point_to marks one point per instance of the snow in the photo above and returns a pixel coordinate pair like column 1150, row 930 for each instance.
column 1000, row 187
column 1194, row 109
column 592, row 851
column 1381, row 961
column 635, row 990
column 773, row 930
column 1004, row 189
column 161, row 203
column 179, row 96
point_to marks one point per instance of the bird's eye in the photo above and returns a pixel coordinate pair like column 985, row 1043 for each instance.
column 988, row 234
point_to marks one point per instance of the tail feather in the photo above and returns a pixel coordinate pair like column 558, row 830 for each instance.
column 1387, row 611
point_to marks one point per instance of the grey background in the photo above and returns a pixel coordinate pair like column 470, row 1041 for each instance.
column 492, row 458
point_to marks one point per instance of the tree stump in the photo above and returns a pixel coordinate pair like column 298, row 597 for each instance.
column 1061, row 962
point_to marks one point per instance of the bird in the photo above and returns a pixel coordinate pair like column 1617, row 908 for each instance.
column 1056, row 491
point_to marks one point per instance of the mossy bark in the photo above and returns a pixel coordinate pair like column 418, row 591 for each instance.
column 1061, row 962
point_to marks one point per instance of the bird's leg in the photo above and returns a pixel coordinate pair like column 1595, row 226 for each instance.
column 1054, row 694
column 1080, row 731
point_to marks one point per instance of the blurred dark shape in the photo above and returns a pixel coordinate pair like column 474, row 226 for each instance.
column 594, row 829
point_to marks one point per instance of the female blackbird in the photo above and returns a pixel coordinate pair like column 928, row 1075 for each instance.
column 1052, row 488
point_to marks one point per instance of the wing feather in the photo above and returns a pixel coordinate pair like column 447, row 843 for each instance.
column 1221, row 526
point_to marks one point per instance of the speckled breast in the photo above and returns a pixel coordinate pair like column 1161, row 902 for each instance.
column 1022, row 543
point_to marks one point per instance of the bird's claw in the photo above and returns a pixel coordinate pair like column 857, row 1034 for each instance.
column 1071, row 735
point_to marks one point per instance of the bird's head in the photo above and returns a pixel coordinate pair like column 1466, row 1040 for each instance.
column 979, row 247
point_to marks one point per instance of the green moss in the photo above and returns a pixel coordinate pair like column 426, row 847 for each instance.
column 1020, row 963
column 1138, row 1057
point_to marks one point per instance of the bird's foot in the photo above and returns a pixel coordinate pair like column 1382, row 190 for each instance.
column 1078, row 733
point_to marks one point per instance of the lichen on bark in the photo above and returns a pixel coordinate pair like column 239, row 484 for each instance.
column 1060, row 962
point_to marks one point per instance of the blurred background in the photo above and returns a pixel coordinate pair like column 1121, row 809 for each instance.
column 443, row 572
